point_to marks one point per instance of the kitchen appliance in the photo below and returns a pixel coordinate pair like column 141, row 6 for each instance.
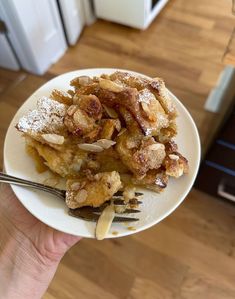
column 135, row 13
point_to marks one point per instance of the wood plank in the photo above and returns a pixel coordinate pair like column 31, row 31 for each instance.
column 213, row 226
column 188, row 251
column 100, row 268
column 213, row 9
column 200, row 286
column 229, row 54
column 189, row 19
column 9, row 78
column 144, row 261
column 69, row 278
column 147, row 289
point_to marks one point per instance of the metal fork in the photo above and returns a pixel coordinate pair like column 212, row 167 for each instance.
column 85, row 213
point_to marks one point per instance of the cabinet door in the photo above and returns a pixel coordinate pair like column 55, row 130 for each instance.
column 73, row 18
column 7, row 57
column 35, row 31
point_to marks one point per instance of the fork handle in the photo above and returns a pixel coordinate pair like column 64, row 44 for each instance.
column 5, row 178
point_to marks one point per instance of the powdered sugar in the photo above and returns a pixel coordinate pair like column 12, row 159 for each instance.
column 148, row 131
column 145, row 96
column 48, row 117
column 159, row 182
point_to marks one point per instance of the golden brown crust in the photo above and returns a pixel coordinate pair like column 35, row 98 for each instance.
column 129, row 99
column 61, row 97
column 139, row 153
column 130, row 80
column 171, row 147
column 155, row 180
column 157, row 86
column 93, row 192
column 176, row 165
column 90, row 104
column 152, row 95
column 78, row 122
column 108, row 127
column 81, row 81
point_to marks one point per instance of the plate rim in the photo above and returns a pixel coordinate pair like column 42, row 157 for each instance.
column 147, row 225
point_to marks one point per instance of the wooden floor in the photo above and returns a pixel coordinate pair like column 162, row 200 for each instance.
column 191, row 254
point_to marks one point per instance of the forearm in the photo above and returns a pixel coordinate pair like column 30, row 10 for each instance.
column 23, row 273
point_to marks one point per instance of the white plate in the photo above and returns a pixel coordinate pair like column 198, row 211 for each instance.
column 54, row 213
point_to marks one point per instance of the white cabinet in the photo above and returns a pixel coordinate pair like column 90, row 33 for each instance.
column 7, row 57
column 73, row 18
column 76, row 14
column 134, row 13
column 35, row 31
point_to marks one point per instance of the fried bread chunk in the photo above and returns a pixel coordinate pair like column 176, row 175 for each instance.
column 67, row 163
column 90, row 104
column 143, row 105
column 93, row 191
column 46, row 123
column 176, row 165
column 166, row 134
column 78, row 122
column 139, row 153
column 108, row 127
column 130, row 80
column 61, row 97
column 130, row 99
column 155, row 180
column 80, row 81
column 155, row 85
column 81, row 117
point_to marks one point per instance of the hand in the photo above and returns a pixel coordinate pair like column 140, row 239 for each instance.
column 30, row 251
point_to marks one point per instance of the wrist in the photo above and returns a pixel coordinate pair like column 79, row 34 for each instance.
column 24, row 272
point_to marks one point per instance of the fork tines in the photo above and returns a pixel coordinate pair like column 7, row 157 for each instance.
column 120, row 193
column 87, row 213
column 121, row 202
column 93, row 214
